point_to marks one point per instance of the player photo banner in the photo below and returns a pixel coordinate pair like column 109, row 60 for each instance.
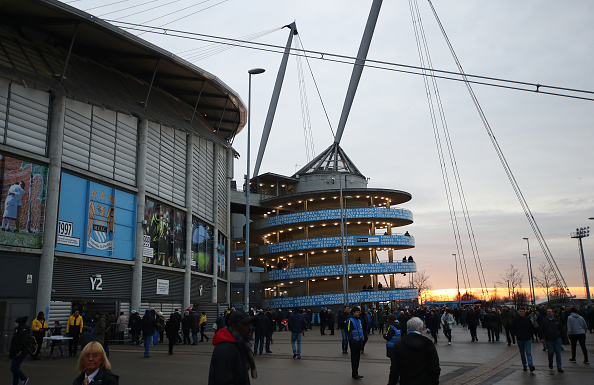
column 24, row 189
column 165, row 235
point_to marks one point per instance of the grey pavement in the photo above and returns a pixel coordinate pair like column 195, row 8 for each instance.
column 322, row 362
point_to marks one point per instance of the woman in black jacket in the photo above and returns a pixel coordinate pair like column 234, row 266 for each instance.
column 93, row 363
column 432, row 323
column 19, row 347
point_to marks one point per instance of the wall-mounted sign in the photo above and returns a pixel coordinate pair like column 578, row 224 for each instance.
column 332, row 299
column 95, row 219
column 96, row 282
column 29, row 278
column 163, row 286
column 23, row 187
column 335, row 270
column 329, row 215
column 335, row 242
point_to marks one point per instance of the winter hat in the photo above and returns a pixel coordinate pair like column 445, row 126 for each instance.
column 21, row 320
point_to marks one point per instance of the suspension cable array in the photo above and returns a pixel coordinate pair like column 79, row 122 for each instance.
column 305, row 118
column 527, row 212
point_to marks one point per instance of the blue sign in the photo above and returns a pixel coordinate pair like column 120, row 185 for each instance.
column 333, row 270
column 95, row 219
column 333, row 299
column 330, row 215
column 334, row 242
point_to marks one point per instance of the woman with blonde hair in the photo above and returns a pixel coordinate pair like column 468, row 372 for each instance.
column 94, row 367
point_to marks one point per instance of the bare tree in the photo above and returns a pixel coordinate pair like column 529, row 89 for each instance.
column 420, row 280
column 512, row 278
column 546, row 279
column 495, row 298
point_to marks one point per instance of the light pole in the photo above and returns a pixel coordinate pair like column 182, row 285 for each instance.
column 457, row 282
column 530, row 275
column 254, row 71
column 580, row 233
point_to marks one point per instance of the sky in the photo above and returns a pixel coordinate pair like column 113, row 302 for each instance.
column 547, row 140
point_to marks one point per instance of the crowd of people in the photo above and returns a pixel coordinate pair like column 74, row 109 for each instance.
column 412, row 355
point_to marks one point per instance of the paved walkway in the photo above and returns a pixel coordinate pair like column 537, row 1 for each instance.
column 462, row 362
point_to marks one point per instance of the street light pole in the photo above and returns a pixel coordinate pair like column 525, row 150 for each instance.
column 530, row 275
column 254, row 71
column 457, row 282
column 580, row 233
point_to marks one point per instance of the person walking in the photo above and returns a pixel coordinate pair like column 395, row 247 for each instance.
column 187, row 326
column 342, row 325
column 576, row 329
column 74, row 328
column 356, row 340
column 507, row 319
column 38, row 327
column 472, row 319
column 135, row 325
column 330, row 321
column 100, row 333
column 270, row 329
column 19, row 347
column 232, row 358
column 447, row 321
column 149, row 325
column 297, row 326
column 415, row 358
column 203, row 328
column 550, row 331
column 522, row 328
column 432, row 323
column 171, row 332
column 260, row 330
column 195, row 326
column 392, row 335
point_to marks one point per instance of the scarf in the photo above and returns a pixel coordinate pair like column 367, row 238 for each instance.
column 244, row 347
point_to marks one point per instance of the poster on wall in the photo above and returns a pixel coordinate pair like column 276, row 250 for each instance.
column 166, row 231
column 221, row 257
column 202, row 246
column 24, row 189
column 95, row 219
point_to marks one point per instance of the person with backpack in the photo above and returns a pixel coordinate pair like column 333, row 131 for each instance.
column 19, row 347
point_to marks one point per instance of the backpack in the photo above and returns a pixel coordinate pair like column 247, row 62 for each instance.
column 31, row 344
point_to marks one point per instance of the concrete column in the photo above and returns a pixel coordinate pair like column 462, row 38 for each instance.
column 230, row 172
column 215, row 204
column 189, row 222
column 141, row 197
column 46, row 262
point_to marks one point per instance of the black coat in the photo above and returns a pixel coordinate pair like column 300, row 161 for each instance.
column 550, row 330
column 228, row 365
column 149, row 325
column 19, row 342
column 261, row 323
column 472, row 318
column 103, row 377
column 415, row 361
column 523, row 328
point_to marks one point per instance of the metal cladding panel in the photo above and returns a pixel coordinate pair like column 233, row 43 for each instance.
column 90, row 280
column 103, row 130
column 195, row 175
column 201, row 289
column 77, row 134
column 179, row 168
column 125, row 146
column 149, row 285
column 27, row 125
column 59, row 311
column 166, row 163
column 222, row 198
column 3, row 108
column 152, row 158
column 206, row 180
column 164, row 307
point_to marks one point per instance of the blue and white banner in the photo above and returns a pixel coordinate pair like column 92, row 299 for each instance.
column 330, row 215
column 333, row 299
column 334, row 242
column 334, row 270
